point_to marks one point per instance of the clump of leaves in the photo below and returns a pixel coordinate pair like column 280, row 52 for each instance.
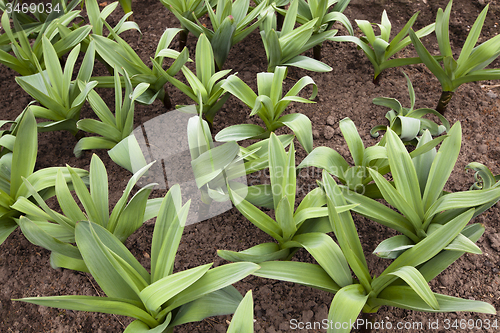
column 56, row 232
column 293, row 228
column 159, row 300
column 205, row 87
column 269, row 105
column 190, row 10
column 61, row 97
column 470, row 64
column 326, row 13
column 28, row 56
column 17, row 162
column 284, row 48
column 119, row 54
column 417, row 193
column 407, row 122
column 112, row 128
column 231, row 22
column 380, row 49
column 403, row 284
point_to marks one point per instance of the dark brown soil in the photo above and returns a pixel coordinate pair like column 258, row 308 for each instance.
column 347, row 91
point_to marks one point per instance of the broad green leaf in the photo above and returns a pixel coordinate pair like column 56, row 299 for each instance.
column 110, row 305
column 24, row 153
column 242, row 321
column 306, row 274
column 215, row 279
column 346, row 306
column 239, row 132
column 256, row 254
column 328, row 254
column 442, row 166
column 162, row 290
column 403, row 173
column 108, row 278
column 220, row 302
column 406, row 298
column 39, row 237
column 417, row 282
column 392, row 247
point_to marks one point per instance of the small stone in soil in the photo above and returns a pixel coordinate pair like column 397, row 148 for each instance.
column 330, row 120
column 315, row 134
column 329, row 132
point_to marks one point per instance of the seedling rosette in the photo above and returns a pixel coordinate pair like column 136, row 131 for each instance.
column 471, row 63
column 284, row 48
column 326, row 12
column 269, row 105
column 28, row 56
column 119, row 54
column 293, row 228
column 407, row 122
column 56, row 232
column 190, row 10
column 379, row 49
column 403, row 284
column 61, row 97
column 231, row 22
column 112, row 128
column 159, row 300
column 205, row 87
column 17, row 161
column 417, row 192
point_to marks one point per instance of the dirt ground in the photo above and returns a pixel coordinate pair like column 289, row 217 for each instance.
column 347, row 91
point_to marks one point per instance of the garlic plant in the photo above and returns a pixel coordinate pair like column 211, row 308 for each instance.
column 269, row 105
column 471, row 63
column 407, row 122
column 379, row 49
column 159, row 300
column 403, row 284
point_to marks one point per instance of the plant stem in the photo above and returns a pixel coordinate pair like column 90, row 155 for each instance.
column 367, row 318
column 443, row 101
column 166, row 99
column 317, row 52
column 183, row 36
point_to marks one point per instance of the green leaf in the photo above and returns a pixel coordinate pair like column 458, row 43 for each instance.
column 328, row 255
column 301, row 127
column 167, row 234
column 346, row 306
column 417, row 282
column 406, row 298
column 110, row 305
column 220, row 302
column 306, row 274
column 39, row 237
column 90, row 239
column 392, row 247
column 239, row 132
column 7, row 226
column 256, row 254
column 442, row 166
column 162, row 290
column 242, row 321
column 24, row 153
column 128, row 154
column 403, row 172
column 215, row 279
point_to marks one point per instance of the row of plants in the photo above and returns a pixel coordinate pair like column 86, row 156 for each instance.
column 433, row 224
